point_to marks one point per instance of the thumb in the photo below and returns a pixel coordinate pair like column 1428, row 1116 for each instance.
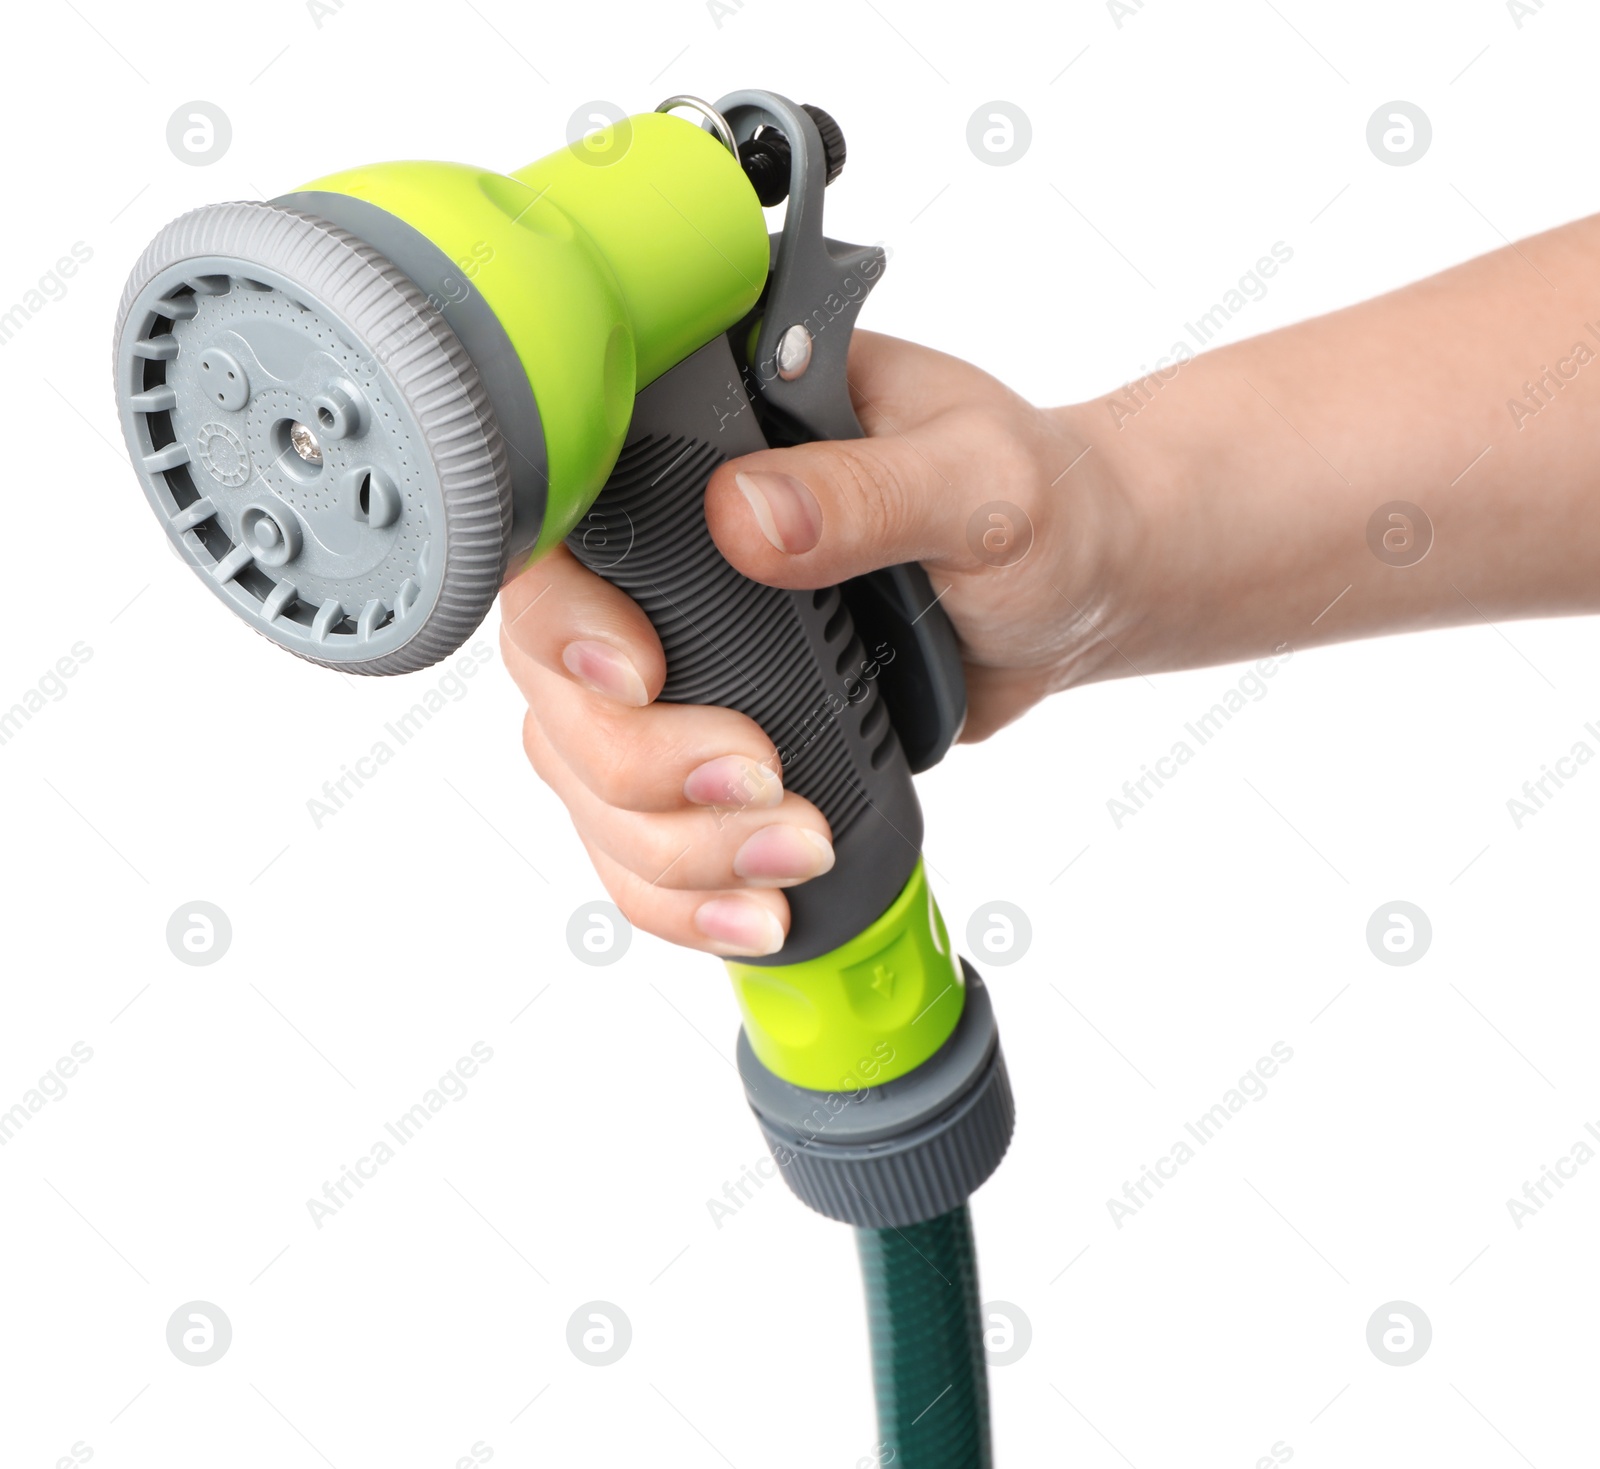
column 817, row 514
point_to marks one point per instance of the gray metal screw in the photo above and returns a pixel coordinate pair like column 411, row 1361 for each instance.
column 305, row 443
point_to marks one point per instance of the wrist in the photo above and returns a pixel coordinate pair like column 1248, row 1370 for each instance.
column 1206, row 554
column 1101, row 535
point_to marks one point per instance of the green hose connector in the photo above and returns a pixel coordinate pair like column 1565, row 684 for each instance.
column 874, row 1009
column 928, row 1365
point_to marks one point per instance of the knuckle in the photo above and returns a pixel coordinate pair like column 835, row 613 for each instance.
column 641, row 849
column 612, row 771
column 1013, row 468
column 602, row 755
column 873, row 490
column 1008, row 462
column 696, row 729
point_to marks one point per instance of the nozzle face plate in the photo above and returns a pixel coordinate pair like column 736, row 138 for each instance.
column 315, row 439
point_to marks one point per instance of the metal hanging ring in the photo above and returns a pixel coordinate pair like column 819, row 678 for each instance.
column 719, row 124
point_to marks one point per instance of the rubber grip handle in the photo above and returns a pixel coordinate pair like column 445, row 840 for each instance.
column 791, row 661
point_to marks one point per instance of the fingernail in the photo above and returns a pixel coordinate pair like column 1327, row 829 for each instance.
column 601, row 667
column 741, row 925
column 784, row 508
column 778, row 855
column 733, row 780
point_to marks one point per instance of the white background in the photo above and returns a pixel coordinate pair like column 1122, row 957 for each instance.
column 1226, row 1317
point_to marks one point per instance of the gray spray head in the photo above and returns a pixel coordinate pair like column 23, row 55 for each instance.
column 314, row 437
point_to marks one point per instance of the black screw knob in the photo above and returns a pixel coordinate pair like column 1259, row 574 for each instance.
column 832, row 139
column 766, row 157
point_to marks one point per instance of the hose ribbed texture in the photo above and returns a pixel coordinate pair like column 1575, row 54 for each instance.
column 928, row 1364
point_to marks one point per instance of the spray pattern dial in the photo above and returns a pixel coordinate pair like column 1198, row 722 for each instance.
column 329, row 476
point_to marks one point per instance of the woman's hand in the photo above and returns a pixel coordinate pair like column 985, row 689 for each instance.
column 682, row 808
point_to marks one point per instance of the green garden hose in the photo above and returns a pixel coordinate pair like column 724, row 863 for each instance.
column 927, row 1343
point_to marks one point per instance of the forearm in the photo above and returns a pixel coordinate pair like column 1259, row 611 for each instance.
column 1251, row 474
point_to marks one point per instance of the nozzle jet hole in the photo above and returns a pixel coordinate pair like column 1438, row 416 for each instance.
column 340, row 410
column 227, row 376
